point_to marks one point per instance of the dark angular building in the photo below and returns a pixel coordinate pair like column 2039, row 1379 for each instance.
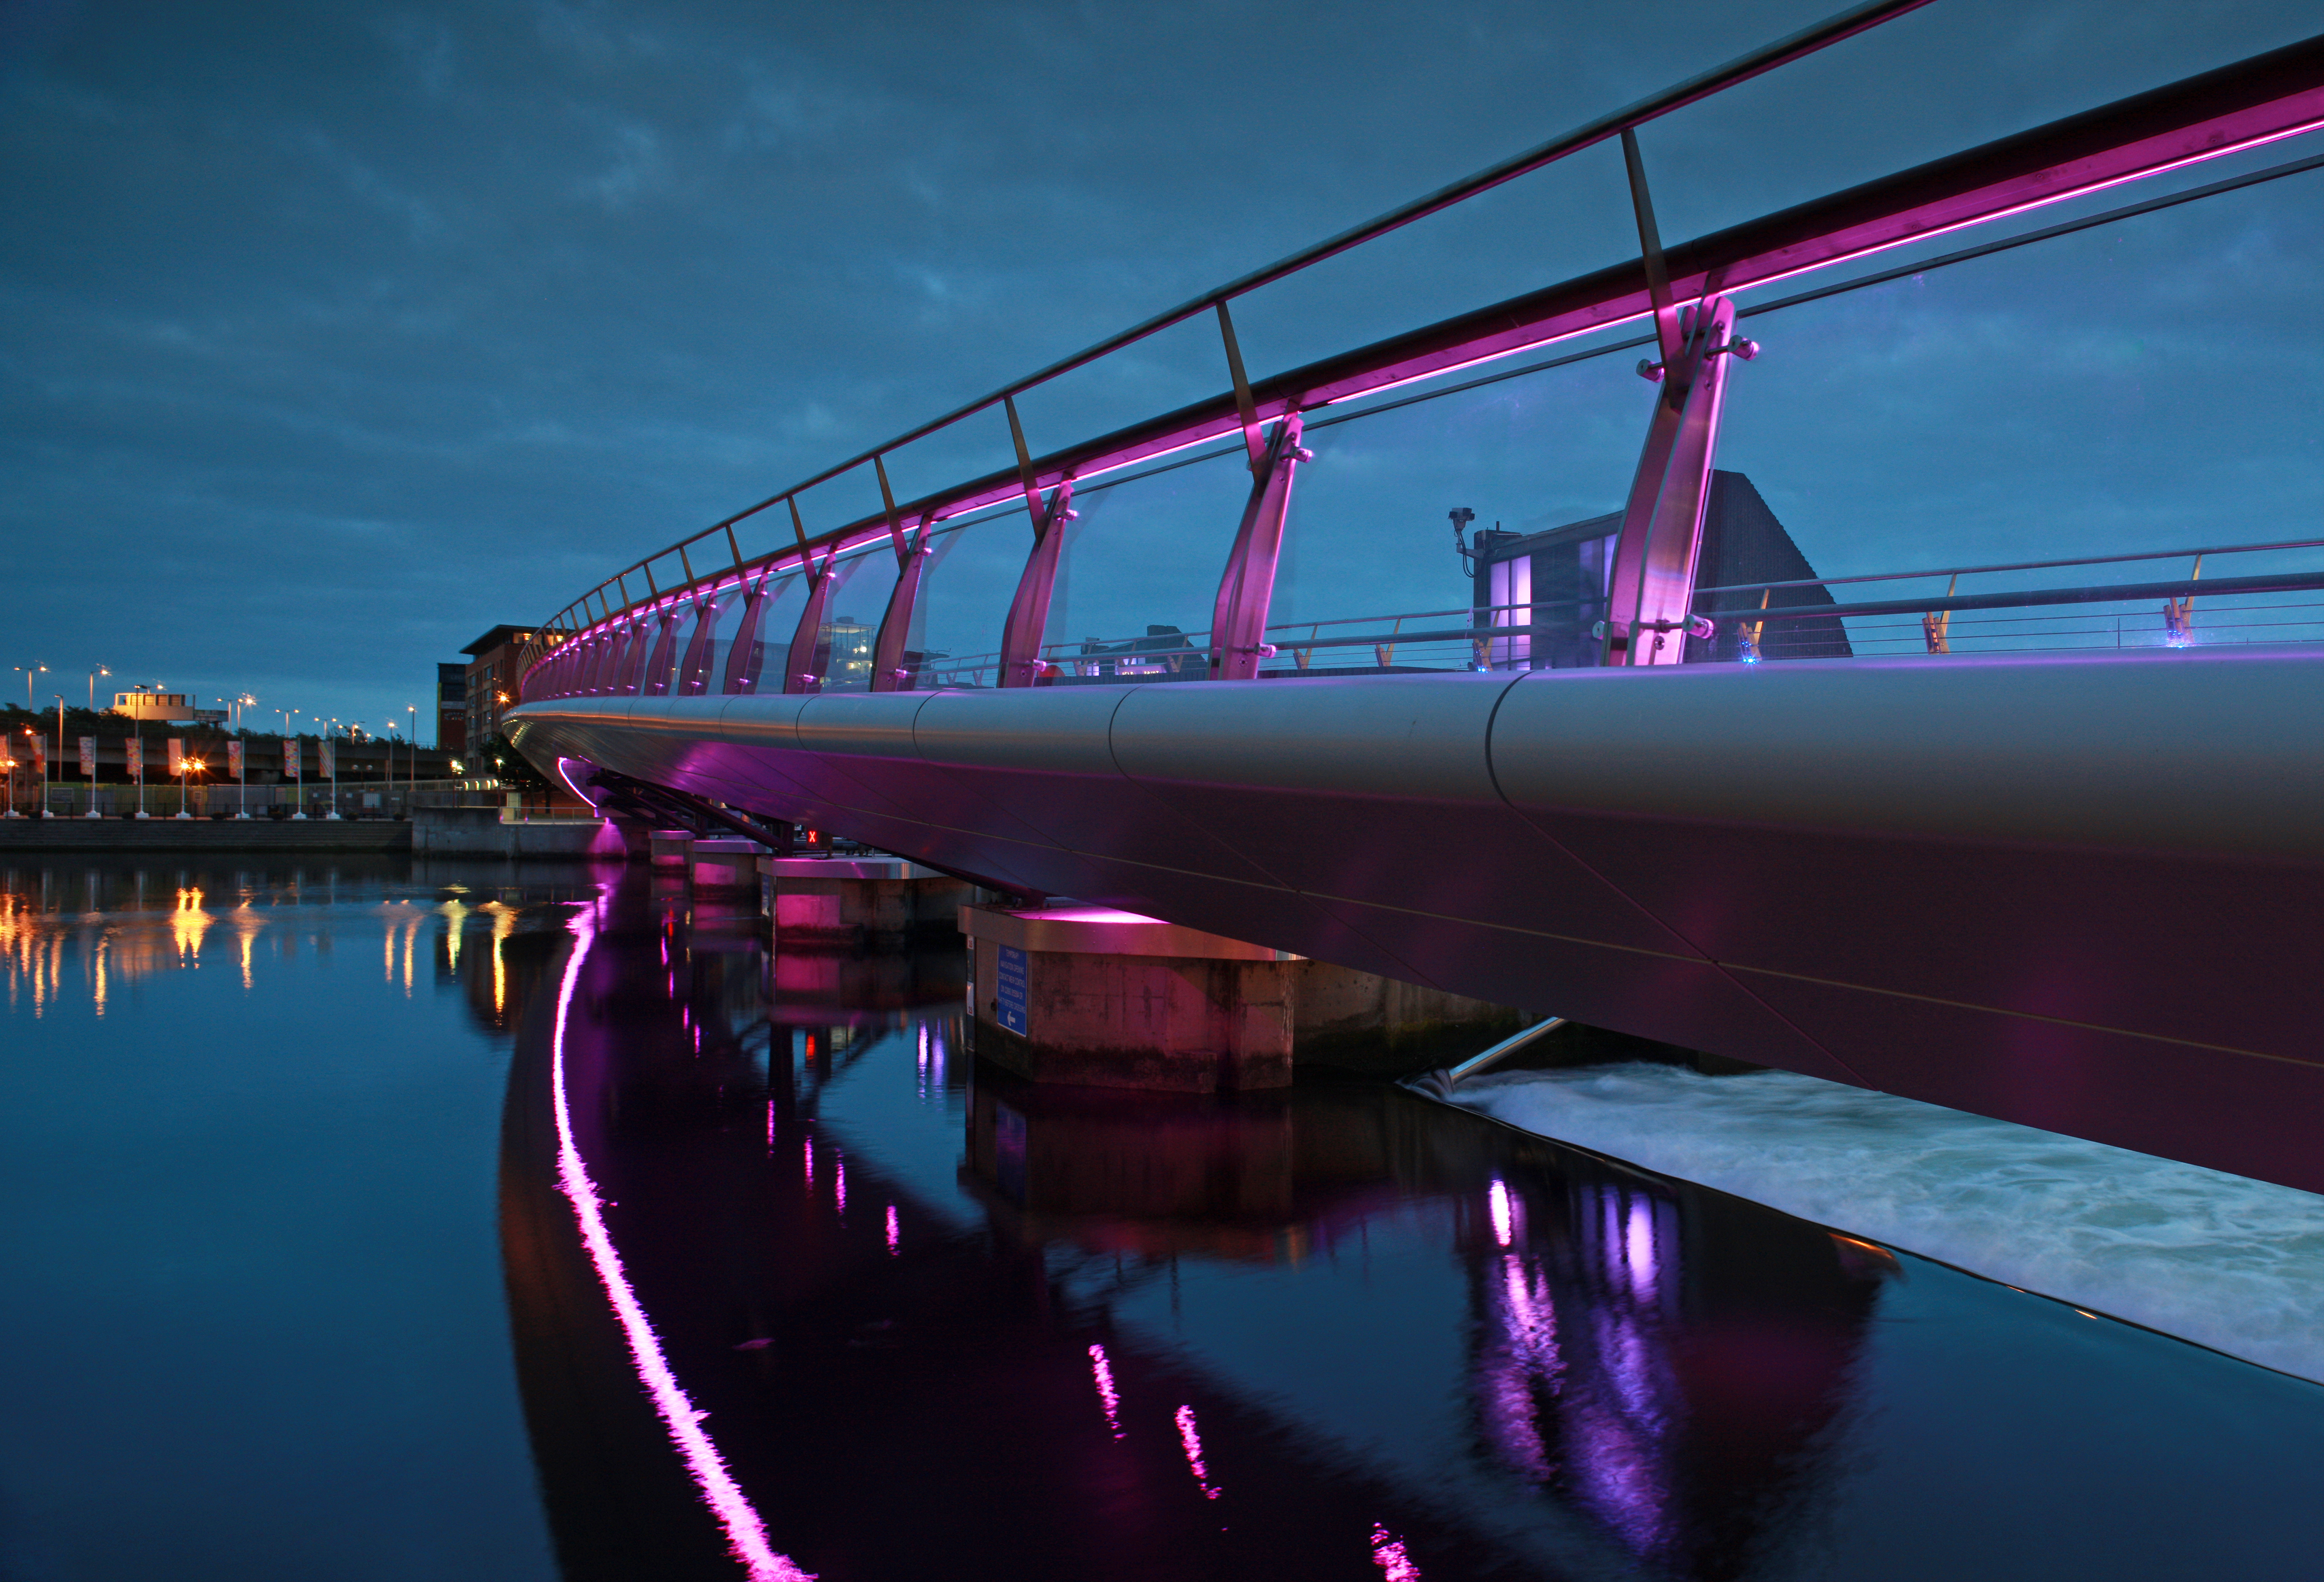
column 1559, row 579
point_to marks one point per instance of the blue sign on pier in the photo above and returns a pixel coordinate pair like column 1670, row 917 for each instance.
column 1011, row 995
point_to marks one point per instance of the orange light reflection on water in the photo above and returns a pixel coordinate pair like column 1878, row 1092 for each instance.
column 131, row 932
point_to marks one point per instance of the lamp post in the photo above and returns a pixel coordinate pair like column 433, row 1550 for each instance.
column 412, row 789
column 30, row 671
column 45, row 811
column 296, row 765
column 187, row 766
column 100, row 670
column 8, row 762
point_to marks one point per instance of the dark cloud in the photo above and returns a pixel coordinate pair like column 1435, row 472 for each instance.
column 330, row 336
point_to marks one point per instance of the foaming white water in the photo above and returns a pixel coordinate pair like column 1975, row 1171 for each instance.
column 2233, row 1263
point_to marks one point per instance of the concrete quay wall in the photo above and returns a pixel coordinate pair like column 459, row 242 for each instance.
column 371, row 835
column 485, row 832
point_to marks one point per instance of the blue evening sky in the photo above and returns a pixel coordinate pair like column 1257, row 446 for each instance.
column 331, row 336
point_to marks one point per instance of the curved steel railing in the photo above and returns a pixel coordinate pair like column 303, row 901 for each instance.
column 637, row 624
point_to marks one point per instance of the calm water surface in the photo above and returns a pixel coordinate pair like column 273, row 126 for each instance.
column 453, row 1221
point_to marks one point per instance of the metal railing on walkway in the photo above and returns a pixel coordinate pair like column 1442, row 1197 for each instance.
column 700, row 616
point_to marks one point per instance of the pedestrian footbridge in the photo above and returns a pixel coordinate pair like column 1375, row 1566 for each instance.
column 2041, row 840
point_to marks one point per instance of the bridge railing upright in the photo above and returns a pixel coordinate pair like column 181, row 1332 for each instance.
column 703, row 616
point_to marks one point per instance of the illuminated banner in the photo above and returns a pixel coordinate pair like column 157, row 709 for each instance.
column 234, row 758
column 177, row 756
column 40, row 757
column 88, row 759
column 290, row 759
column 132, row 760
column 326, row 763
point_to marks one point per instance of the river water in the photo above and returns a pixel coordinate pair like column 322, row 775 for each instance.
column 402, row 1220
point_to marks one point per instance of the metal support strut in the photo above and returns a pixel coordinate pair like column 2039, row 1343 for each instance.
column 889, row 671
column 810, row 649
column 636, row 802
column 1239, row 617
column 1650, row 585
column 1029, row 612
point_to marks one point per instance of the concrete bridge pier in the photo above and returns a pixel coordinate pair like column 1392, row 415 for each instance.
column 1075, row 993
column 858, row 903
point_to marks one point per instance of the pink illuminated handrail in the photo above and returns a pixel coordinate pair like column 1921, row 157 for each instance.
column 1806, row 42
column 2257, row 101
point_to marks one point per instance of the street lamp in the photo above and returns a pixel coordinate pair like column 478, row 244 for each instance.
column 186, row 766
column 30, row 671
column 8, row 762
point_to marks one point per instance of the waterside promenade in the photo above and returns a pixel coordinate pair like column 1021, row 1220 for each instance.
column 438, row 831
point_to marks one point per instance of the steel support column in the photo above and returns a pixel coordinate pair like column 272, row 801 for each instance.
column 694, row 670
column 609, row 652
column 801, row 670
column 1238, row 616
column 1651, row 591
column 742, row 673
column 888, row 673
column 656, row 680
column 630, row 665
column 1029, row 612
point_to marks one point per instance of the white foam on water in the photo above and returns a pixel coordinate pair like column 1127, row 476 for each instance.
column 2232, row 1264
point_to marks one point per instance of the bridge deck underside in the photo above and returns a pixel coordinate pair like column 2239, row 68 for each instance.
column 2074, row 893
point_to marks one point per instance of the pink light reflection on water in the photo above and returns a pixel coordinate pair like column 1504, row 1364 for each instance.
column 1500, row 1201
column 891, row 1230
column 1525, row 1358
column 807, row 1147
column 746, row 1534
column 838, row 1181
column 1389, row 1554
column 1108, row 1397
column 1639, row 1249
column 1192, row 1442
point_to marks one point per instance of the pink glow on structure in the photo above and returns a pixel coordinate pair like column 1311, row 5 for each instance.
column 588, row 800
column 746, row 1534
column 1192, row 1442
column 1498, row 1198
column 808, row 1149
column 838, row 1181
column 1389, row 1556
column 891, row 1230
column 1108, row 1397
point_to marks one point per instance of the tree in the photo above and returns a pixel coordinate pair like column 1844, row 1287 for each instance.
column 513, row 769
